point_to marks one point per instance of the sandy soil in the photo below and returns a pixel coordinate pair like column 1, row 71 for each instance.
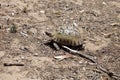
column 22, row 35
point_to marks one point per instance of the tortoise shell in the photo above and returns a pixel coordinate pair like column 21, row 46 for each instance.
column 67, row 36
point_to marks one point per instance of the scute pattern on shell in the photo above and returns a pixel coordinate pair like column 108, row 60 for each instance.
column 68, row 36
column 70, row 31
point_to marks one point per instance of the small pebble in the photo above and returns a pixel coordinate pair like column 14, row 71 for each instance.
column 75, row 24
column 33, row 30
column 13, row 14
column 81, row 62
column 24, row 33
column 22, row 57
column 23, row 48
column 2, row 53
column 82, row 11
column 35, row 54
column 84, row 68
column 104, row 3
column 42, row 11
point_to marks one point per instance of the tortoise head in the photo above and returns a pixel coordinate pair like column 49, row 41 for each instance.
column 49, row 34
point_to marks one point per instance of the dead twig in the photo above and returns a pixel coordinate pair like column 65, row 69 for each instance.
column 110, row 74
column 13, row 64
column 80, row 54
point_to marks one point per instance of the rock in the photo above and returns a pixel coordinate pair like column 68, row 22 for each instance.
column 13, row 14
column 114, row 3
column 104, row 3
column 115, row 23
column 33, row 30
column 42, row 11
column 35, row 54
column 96, row 12
column 24, row 33
column 2, row 53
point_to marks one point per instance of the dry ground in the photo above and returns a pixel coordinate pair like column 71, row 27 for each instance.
column 98, row 19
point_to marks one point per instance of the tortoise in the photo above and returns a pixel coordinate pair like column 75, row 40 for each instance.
column 66, row 36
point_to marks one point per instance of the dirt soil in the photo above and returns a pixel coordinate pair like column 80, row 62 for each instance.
column 22, row 36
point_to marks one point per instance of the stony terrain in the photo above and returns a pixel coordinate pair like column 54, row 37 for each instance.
column 22, row 36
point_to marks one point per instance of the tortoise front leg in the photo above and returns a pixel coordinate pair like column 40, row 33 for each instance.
column 56, row 46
